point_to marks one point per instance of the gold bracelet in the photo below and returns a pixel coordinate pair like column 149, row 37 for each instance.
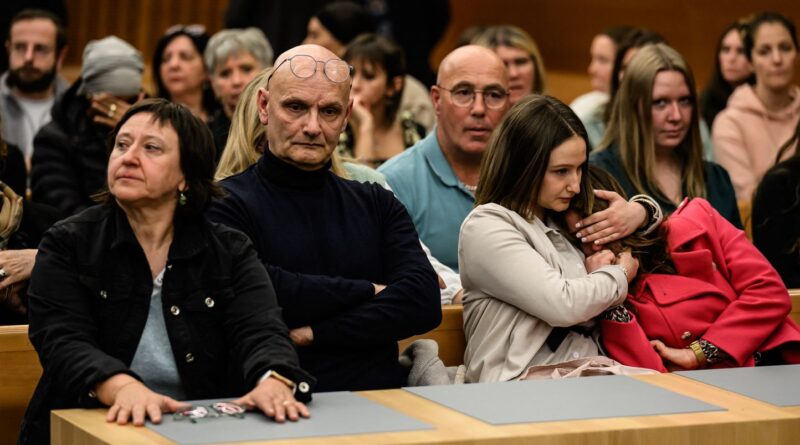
column 698, row 353
column 286, row 381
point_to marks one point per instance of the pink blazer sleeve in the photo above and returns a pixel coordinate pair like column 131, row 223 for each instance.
column 762, row 302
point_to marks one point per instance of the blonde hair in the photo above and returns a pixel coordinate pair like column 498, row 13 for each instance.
column 514, row 37
column 247, row 138
column 631, row 123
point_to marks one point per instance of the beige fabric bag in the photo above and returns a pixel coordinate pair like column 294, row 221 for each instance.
column 582, row 367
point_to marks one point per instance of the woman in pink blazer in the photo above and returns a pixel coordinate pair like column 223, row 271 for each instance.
column 705, row 296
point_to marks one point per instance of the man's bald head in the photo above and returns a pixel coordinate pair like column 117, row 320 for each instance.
column 319, row 53
column 305, row 115
column 466, row 129
column 468, row 57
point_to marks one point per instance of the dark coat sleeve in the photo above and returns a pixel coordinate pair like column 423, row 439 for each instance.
column 63, row 328
column 54, row 179
column 14, row 172
column 776, row 232
column 302, row 297
column 409, row 304
column 721, row 194
column 257, row 334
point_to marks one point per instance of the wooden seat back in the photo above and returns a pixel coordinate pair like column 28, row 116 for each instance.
column 449, row 335
column 19, row 373
column 795, row 314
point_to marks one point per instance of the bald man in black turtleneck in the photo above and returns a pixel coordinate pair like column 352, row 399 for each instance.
column 344, row 257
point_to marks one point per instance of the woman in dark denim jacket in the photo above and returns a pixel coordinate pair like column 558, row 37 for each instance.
column 140, row 301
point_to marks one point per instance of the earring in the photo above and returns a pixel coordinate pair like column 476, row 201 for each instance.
column 182, row 199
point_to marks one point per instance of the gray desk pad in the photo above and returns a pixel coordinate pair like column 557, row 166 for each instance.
column 778, row 385
column 332, row 414
column 557, row 400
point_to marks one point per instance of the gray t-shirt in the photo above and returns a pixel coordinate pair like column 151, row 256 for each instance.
column 37, row 115
column 154, row 361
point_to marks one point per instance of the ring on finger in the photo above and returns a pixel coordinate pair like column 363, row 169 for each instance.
column 112, row 110
column 3, row 274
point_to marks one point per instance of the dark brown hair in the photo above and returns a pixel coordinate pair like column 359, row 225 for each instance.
column 196, row 147
column 518, row 153
column 383, row 53
column 649, row 249
column 32, row 14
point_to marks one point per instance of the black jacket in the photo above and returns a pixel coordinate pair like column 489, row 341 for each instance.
column 89, row 300
column 69, row 156
column 776, row 212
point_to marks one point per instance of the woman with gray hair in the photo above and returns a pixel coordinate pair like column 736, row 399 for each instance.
column 233, row 58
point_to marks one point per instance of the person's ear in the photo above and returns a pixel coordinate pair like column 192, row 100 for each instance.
column 436, row 96
column 348, row 113
column 261, row 102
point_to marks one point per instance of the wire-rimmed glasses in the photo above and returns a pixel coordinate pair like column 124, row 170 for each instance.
column 305, row 66
column 464, row 96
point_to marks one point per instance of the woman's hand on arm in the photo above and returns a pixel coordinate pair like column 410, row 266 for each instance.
column 619, row 220
column 275, row 400
column 629, row 264
column 130, row 399
column 599, row 259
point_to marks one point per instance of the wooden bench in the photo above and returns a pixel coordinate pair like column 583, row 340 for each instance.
column 449, row 335
column 19, row 373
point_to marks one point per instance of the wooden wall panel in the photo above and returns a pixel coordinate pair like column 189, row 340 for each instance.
column 140, row 22
column 562, row 28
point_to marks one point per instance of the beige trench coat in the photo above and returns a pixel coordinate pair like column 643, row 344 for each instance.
column 520, row 279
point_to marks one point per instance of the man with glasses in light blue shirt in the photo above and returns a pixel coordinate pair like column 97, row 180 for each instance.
column 436, row 179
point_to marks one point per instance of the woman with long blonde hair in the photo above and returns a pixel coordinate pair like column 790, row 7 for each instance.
column 652, row 145
column 521, row 57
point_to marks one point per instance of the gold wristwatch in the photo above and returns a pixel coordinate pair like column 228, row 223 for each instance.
column 698, row 353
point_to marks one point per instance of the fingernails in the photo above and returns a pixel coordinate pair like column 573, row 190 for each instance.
column 584, row 240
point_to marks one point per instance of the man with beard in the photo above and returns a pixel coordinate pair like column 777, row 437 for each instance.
column 36, row 47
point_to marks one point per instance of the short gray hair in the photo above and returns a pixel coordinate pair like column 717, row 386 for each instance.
column 229, row 42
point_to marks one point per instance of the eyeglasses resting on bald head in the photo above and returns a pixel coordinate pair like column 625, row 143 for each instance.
column 305, row 66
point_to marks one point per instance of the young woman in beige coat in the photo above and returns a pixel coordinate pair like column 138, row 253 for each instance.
column 529, row 295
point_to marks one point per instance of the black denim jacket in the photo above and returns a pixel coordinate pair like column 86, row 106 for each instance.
column 89, row 300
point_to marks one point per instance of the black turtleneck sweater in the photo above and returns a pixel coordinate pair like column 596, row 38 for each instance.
column 324, row 240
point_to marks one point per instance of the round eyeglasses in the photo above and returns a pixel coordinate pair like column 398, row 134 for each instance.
column 305, row 66
column 464, row 96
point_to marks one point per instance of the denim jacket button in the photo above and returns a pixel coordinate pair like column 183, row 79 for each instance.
column 189, row 358
column 209, row 302
column 175, row 310
column 303, row 387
